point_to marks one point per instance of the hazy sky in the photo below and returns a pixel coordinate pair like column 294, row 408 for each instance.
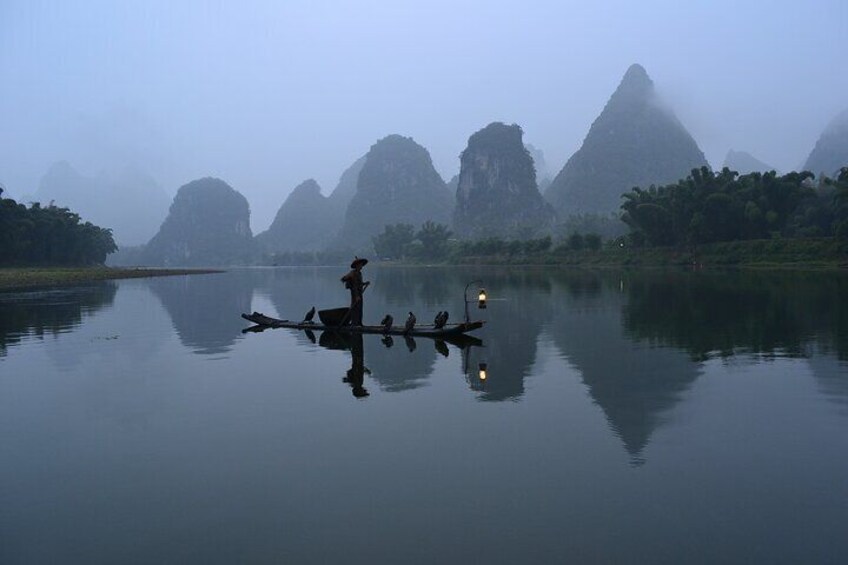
column 266, row 94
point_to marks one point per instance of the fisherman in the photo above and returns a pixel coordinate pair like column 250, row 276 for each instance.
column 353, row 282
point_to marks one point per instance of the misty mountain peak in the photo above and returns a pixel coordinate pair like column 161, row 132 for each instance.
column 831, row 151
column 308, row 187
column 743, row 163
column 633, row 142
column 636, row 84
column 128, row 200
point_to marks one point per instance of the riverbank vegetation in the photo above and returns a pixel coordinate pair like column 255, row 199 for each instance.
column 49, row 235
column 19, row 278
column 707, row 219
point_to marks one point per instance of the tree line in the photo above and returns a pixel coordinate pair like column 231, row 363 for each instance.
column 706, row 207
column 709, row 207
column 49, row 235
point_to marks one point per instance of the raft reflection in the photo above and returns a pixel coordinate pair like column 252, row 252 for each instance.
column 355, row 376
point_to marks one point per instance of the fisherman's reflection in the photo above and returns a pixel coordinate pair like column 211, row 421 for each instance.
column 356, row 374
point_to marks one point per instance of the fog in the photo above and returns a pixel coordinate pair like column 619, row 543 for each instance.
column 267, row 94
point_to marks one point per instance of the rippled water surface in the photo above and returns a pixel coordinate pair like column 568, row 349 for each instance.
column 633, row 417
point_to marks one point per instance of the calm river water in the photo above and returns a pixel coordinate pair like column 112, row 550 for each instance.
column 626, row 417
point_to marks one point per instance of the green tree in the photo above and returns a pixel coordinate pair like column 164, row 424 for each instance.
column 434, row 239
column 49, row 236
column 393, row 242
column 593, row 241
column 575, row 241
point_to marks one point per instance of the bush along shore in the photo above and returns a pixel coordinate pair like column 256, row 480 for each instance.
column 33, row 277
column 764, row 253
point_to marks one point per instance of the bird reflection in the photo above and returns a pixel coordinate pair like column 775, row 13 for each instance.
column 355, row 376
column 410, row 343
column 310, row 335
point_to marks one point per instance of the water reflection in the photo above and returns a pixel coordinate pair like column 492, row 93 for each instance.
column 355, row 376
column 292, row 291
column 49, row 312
column 831, row 377
column 637, row 340
column 725, row 313
column 392, row 376
column 204, row 308
column 254, row 448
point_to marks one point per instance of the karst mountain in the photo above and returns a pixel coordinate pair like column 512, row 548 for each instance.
column 208, row 225
column 635, row 141
column 831, row 151
column 497, row 194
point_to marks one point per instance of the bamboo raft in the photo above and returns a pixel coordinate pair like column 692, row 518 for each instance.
column 426, row 330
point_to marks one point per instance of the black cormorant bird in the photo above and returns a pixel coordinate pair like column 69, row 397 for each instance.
column 309, row 315
column 441, row 320
column 387, row 323
column 410, row 323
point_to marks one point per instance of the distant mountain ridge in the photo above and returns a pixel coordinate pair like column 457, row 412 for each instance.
column 127, row 200
column 831, row 151
column 633, row 142
column 743, row 163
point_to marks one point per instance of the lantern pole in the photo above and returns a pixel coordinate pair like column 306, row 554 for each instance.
column 465, row 297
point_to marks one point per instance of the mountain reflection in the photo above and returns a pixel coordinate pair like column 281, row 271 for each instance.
column 47, row 312
column 634, row 384
column 639, row 338
column 204, row 309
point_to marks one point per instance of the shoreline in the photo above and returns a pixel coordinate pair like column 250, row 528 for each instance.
column 22, row 278
column 812, row 254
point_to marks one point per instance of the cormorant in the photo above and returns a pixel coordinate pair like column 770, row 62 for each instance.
column 410, row 323
column 309, row 315
column 441, row 320
column 387, row 323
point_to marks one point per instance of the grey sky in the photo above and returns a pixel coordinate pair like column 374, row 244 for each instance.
column 267, row 94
